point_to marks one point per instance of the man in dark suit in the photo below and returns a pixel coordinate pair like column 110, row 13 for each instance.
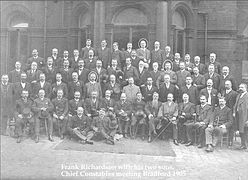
column 198, row 79
column 134, row 59
column 75, row 85
column 188, row 64
column 42, row 107
column 108, row 104
column 101, row 73
column 55, row 57
column 166, row 88
column 129, row 71
column 241, row 114
column 114, row 88
column 104, row 54
column 155, row 73
column 167, row 54
column 75, row 103
column 186, row 109
column 210, row 93
column 60, row 113
column 74, row 60
column 176, row 62
column 23, row 115
column 15, row 75
column 190, row 90
column 35, row 58
column 42, row 84
column 59, row 85
column 201, row 67
column 115, row 70
column 118, row 55
column 127, row 53
column 157, row 54
column 229, row 94
column 167, row 70
column 148, row 90
column 214, row 76
column 50, row 71
column 92, row 105
column 85, row 51
column 20, row 86
column 212, row 60
column 219, row 124
column 143, row 74
column 82, row 72
column 182, row 74
column 152, row 107
column 66, row 72
column 90, row 61
column 143, row 53
column 226, row 76
column 33, row 74
column 203, row 115
column 7, row 102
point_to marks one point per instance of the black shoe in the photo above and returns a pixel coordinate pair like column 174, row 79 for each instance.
column 89, row 142
column 175, row 142
column 125, row 136
column 149, row 139
column 18, row 140
column 184, row 142
column 242, row 147
column 189, row 143
column 37, row 139
column 50, row 138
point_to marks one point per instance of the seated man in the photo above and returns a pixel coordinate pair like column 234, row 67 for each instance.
column 123, row 110
column 60, row 114
column 139, row 116
column 42, row 108
column 74, row 104
column 23, row 115
column 219, row 124
column 203, row 115
column 167, row 113
column 185, row 116
column 79, row 127
column 108, row 104
column 92, row 105
column 152, row 108
column 105, row 127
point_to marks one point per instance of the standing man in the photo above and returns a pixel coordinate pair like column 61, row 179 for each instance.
column 33, row 74
column 55, row 56
column 82, row 72
column 210, row 93
column 35, row 58
column 20, row 86
column 198, row 79
column 85, row 51
column 190, row 90
column 92, row 105
column 113, row 87
column 74, row 60
column 131, row 90
column 181, row 75
column 148, row 90
column 188, row 65
column 167, row 70
column 50, row 71
column 199, row 65
column 75, row 85
column 157, row 54
column 15, row 75
column 167, row 54
column 93, row 85
column 75, row 103
column 90, row 61
column 143, row 53
column 118, row 55
column 42, row 107
column 211, row 74
column 155, row 73
column 212, row 60
column 104, row 54
column 42, row 84
column 127, row 53
column 66, row 72
column 226, row 76
column 129, row 71
column 241, row 114
column 59, row 85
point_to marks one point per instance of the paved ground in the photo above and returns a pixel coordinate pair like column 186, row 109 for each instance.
column 40, row 161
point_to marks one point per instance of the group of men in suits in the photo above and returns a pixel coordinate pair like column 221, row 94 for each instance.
column 104, row 92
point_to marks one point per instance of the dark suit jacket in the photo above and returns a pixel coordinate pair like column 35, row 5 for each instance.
column 201, row 67
column 181, row 77
column 74, row 62
column 104, row 56
column 90, row 64
column 55, row 88
column 50, row 74
column 118, row 55
column 150, row 109
column 157, row 56
column 91, row 107
column 188, row 109
column 106, row 104
column 116, row 90
column 20, row 105
column 73, row 105
column 199, row 81
column 155, row 76
column 204, row 114
column 47, row 88
column 215, row 78
column 33, row 76
column 192, row 92
column 84, row 75
column 126, row 107
column 84, row 53
column 131, row 72
column 39, row 60
column 14, row 76
column 66, row 75
column 222, row 116
column 147, row 94
column 75, row 86
column 135, row 62
column 142, row 77
column 102, row 75
column 164, row 91
column 7, row 99
column 18, row 89
column 38, row 104
column 222, row 82
column 230, row 98
column 214, row 96
column 241, row 110
column 168, row 111
column 217, row 66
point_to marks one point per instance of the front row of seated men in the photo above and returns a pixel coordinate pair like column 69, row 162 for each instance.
column 104, row 118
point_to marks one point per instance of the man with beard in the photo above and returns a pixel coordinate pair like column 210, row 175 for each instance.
column 127, row 53
column 20, row 86
column 42, row 84
column 241, row 114
column 74, row 60
column 75, row 103
column 211, row 74
column 202, row 115
column 176, row 62
column 143, row 53
column 115, row 70
column 60, row 62
column 212, row 60
column 226, row 76
column 93, row 85
column 66, row 72
column 129, row 71
column 23, row 115
column 15, row 75
column 148, row 90
column 105, row 127
column 79, row 127
column 35, row 58
column 55, row 56
column 75, row 85
column 82, row 72
column 198, row 79
column 33, row 74
column 167, row 54
column 210, row 93
column 186, row 109
column 7, row 94
column 142, row 74
column 108, row 104
column 59, row 85
column 157, row 54
column 50, row 71
column 139, row 116
column 90, row 61
column 85, row 51
column 104, row 54
column 181, row 75
column 219, row 124
column 155, row 73
column 199, row 65
column 190, row 90
column 166, row 88
column 118, row 55
column 114, row 88
column 60, row 113
column 42, row 107
column 102, row 73
column 167, row 70
column 188, row 65
column 92, row 105
column 123, row 110
column 134, row 59
column 152, row 107
column 131, row 90
column 168, row 113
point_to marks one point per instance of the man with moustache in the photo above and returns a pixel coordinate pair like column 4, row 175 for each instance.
column 131, row 90
column 79, row 127
column 199, row 65
column 118, row 55
column 176, row 62
column 143, row 53
column 102, row 73
column 35, row 58
column 75, row 85
column 74, row 60
column 15, row 75
column 181, row 75
column 115, row 70
column 188, row 65
column 33, row 74
column 93, row 85
column 92, row 105
column 90, row 61
column 50, row 71
column 73, row 104
column 129, row 71
column 219, row 124
column 60, row 62
column 190, row 90
column 55, row 56
column 157, row 54
column 198, row 79
column 20, row 86
column 210, row 93
column 167, row 54
column 167, row 70
column 114, row 88
column 108, row 104
column 143, row 73
column 226, row 76
column 134, row 59
column 152, row 107
column 42, row 84
column 155, row 73
column 104, row 54
column 212, row 60
column 66, row 72
column 23, row 115
column 241, row 114
column 59, row 84
column 211, row 74
column 82, row 72
column 127, row 53
column 85, row 51
column 148, row 90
